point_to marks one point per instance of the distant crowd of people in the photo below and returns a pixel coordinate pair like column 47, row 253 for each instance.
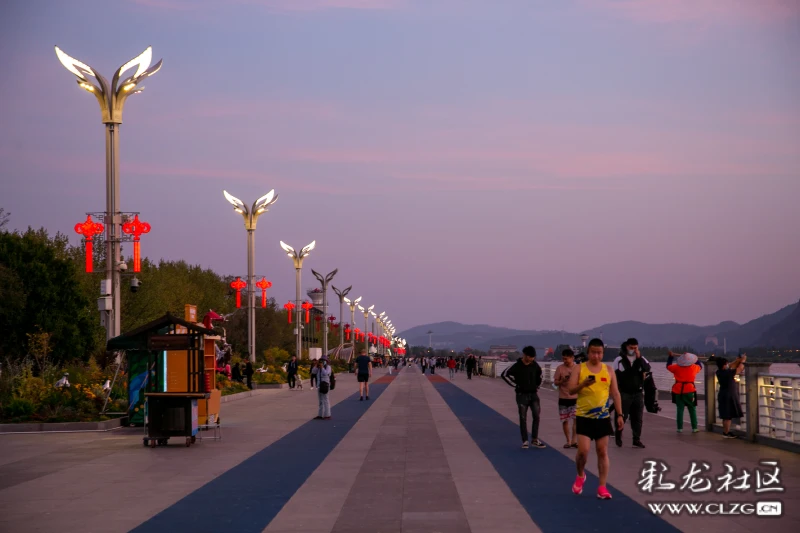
column 470, row 364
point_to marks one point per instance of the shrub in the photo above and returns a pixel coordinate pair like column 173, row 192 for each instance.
column 32, row 389
column 19, row 408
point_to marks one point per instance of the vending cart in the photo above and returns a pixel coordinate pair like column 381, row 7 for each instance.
column 167, row 355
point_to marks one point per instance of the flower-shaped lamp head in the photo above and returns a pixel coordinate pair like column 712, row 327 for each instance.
column 111, row 96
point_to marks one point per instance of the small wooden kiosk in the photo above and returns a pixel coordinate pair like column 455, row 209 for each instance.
column 172, row 353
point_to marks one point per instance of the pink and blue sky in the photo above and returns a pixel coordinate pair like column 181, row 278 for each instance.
column 528, row 163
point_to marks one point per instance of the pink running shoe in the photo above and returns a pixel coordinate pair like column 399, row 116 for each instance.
column 602, row 493
column 577, row 487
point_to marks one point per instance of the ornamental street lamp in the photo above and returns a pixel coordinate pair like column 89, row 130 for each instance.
column 352, row 306
column 111, row 97
column 297, row 258
column 342, row 297
column 324, row 280
column 250, row 220
column 366, row 324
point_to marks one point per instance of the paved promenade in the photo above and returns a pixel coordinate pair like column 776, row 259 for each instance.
column 423, row 455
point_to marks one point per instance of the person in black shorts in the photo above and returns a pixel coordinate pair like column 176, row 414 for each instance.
column 595, row 384
column 364, row 372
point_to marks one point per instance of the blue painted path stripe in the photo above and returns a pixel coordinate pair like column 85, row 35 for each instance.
column 542, row 479
column 247, row 497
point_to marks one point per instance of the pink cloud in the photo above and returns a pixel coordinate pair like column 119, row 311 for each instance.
column 667, row 11
column 276, row 5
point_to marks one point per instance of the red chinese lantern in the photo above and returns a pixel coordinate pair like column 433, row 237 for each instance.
column 307, row 307
column 347, row 331
column 238, row 284
column 263, row 284
column 136, row 228
column 357, row 333
column 89, row 229
column 332, row 320
column 289, row 308
column 318, row 318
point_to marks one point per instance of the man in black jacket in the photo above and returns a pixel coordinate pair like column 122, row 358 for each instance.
column 630, row 368
column 291, row 372
column 526, row 377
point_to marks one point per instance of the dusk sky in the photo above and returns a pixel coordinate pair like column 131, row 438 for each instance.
column 537, row 164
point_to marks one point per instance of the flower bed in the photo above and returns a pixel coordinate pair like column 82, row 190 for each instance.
column 29, row 398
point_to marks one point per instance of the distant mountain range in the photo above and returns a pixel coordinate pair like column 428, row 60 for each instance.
column 780, row 329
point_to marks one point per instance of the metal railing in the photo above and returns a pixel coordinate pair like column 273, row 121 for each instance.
column 779, row 406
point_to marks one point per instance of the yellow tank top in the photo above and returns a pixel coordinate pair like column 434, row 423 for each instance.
column 593, row 400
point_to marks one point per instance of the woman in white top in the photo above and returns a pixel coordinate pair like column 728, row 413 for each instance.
column 323, row 373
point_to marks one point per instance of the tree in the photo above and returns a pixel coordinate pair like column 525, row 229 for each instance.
column 38, row 281
column 4, row 217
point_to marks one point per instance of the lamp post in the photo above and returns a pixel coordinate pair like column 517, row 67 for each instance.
column 353, row 304
column 366, row 324
column 297, row 258
column 342, row 297
column 374, row 338
column 324, row 280
column 250, row 217
column 112, row 97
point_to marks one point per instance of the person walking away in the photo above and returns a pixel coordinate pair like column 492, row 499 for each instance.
column 248, row 373
column 526, row 377
column 471, row 364
column 237, row 373
column 480, row 365
column 684, row 392
column 451, row 365
column 432, row 365
column 566, row 401
column 364, row 369
column 314, row 381
column 423, row 363
column 730, row 406
column 323, row 372
column 594, row 382
column 291, row 372
column 630, row 368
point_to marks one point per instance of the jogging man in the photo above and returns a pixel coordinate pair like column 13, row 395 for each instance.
column 364, row 372
column 526, row 377
column 594, row 382
column 630, row 368
column 566, row 401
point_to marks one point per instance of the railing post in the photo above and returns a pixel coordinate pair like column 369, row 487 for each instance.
column 711, row 396
column 751, row 371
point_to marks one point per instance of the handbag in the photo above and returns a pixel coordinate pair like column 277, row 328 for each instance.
column 323, row 387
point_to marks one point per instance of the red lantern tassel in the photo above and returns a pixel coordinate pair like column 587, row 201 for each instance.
column 89, row 254
column 137, row 263
column 238, row 298
column 263, row 298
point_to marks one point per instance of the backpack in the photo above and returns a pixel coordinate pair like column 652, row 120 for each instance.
column 333, row 381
